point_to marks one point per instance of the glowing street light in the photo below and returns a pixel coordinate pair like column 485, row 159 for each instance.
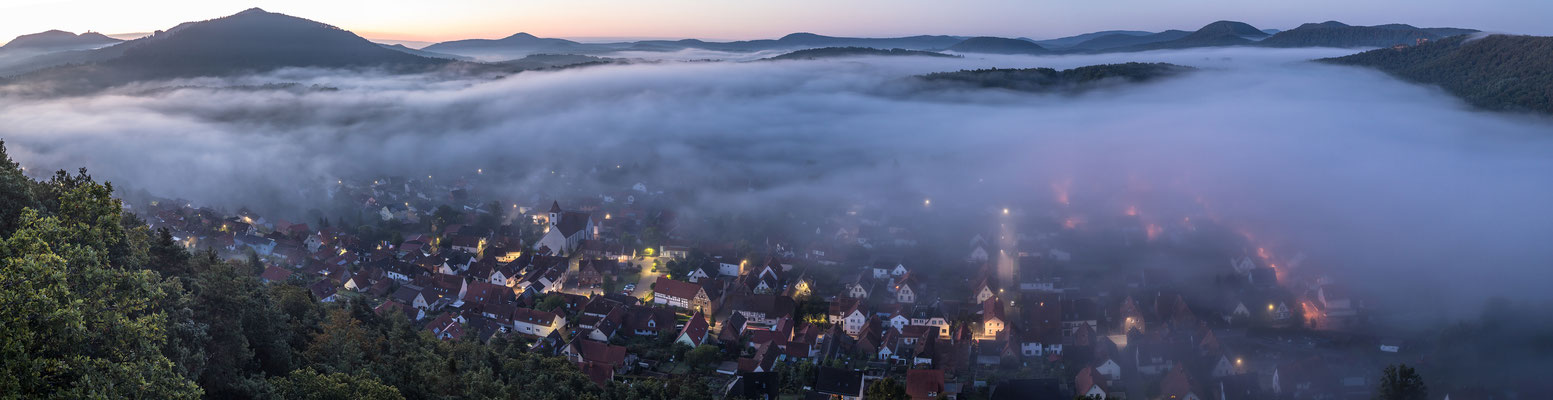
column 1005, row 211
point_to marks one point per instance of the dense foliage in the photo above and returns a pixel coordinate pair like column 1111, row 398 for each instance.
column 836, row 52
column 1048, row 80
column 93, row 305
column 1498, row 72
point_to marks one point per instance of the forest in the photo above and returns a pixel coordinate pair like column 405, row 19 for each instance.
column 1050, row 80
column 1496, row 72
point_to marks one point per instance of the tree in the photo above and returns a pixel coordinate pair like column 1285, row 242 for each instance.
column 551, row 303
column 306, row 384
column 703, row 355
column 886, row 389
column 342, row 345
column 74, row 325
column 1400, row 382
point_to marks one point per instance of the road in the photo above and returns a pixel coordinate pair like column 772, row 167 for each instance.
column 644, row 285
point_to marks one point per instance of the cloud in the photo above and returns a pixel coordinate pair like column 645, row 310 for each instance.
column 1384, row 184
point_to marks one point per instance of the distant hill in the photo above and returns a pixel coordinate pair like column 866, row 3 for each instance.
column 1051, row 80
column 997, row 45
column 551, row 61
column 1497, row 72
column 523, row 44
column 1122, row 40
column 1220, row 33
column 423, row 53
column 249, row 41
column 1337, row 34
column 55, row 40
column 839, row 52
column 515, row 46
column 1064, row 42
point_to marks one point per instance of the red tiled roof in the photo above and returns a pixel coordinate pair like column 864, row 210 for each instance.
column 695, row 328
column 680, row 289
column 920, row 382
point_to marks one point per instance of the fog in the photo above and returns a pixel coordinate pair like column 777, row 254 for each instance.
column 1392, row 186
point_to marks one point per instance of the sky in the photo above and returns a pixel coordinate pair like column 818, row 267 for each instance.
column 431, row 21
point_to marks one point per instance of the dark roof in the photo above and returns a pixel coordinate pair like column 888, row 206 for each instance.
column 837, row 381
column 755, row 385
column 275, row 274
column 920, row 382
column 572, row 222
column 555, row 207
column 1046, row 388
column 323, row 289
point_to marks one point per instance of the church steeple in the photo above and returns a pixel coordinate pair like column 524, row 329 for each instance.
column 555, row 213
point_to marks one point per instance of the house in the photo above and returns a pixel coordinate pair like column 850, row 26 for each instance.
column 1109, row 368
column 324, row 290
column 598, row 359
column 837, row 382
column 274, row 274
column 923, row 384
column 729, row 266
column 1178, row 385
column 754, row 386
column 984, row 291
column 992, row 319
column 468, row 243
column 1090, row 383
column 681, row 294
column 649, row 321
column 565, row 231
column 536, row 323
column 858, row 287
column 905, row 290
column 390, row 308
column 850, row 314
column 694, row 333
column 762, row 309
column 448, row 326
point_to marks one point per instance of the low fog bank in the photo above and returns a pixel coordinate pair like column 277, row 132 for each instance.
column 1393, row 186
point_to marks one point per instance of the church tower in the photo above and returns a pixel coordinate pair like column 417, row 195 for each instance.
column 555, row 213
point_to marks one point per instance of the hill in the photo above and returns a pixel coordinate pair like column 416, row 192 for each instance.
column 422, row 53
column 1122, row 40
column 551, row 61
column 997, row 45
column 1070, row 41
column 1219, row 33
column 1051, row 80
column 840, row 52
column 1496, row 72
column 1337, row 34
column 58, row 40
column 516, row 46
column 250, row 41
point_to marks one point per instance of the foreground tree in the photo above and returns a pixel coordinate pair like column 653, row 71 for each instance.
column 74, row 323
column 1401, row 382
column 886, row 389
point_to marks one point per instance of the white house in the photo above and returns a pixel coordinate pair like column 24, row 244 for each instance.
column 536, row 323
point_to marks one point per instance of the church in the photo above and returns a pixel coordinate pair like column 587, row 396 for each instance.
column 565, row 231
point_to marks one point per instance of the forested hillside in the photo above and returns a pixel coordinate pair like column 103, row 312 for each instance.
column 95, row 305
column 1048, row 80
column 1497, row 72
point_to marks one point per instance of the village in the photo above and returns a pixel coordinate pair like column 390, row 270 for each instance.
column 1022, row 303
